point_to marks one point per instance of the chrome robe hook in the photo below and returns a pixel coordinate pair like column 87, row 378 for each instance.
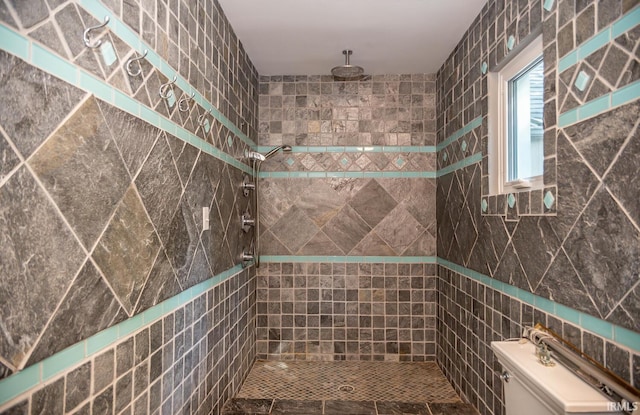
column 203, row 118
column 166, row 90
column 130, row 71
column 183, row 104
column 87, row 31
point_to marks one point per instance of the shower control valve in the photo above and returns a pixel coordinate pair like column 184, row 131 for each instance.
column 505, row 376
column 247, row 222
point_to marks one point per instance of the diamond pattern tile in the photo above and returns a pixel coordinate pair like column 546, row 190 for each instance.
column 380, row 381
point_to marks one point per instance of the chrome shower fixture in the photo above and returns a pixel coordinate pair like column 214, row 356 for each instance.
column 285, row 148
column 347, row 71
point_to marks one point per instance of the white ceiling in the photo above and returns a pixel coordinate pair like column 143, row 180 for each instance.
column 306, row 37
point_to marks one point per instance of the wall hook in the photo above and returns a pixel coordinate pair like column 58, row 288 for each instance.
column 130, row 71
column 202, row 118
column 85, row 36
column 183, row 104
column 166, row 90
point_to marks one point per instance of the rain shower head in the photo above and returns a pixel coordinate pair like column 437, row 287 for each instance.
column 347, row 71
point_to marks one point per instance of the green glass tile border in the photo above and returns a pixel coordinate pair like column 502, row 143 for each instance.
column 14, row 43
column 345, row 259
column 476, row 122
column 53, row 64
column 39, row 373
column 587, row 322
column 347, row 174
column 607, row 102
column 625, row 23
column 473, row 159
column 354, row 149
column 98, row 10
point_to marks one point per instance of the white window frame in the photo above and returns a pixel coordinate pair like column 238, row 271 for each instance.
column 498, row 89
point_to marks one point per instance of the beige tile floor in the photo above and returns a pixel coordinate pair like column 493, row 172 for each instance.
column 349, row 381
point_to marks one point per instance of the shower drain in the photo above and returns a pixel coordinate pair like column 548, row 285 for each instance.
column 346, row 388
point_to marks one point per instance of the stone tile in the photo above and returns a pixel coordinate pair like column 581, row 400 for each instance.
column 320, row 203
column 68, row 20
column 81, row 169
column 50, row 399
column 134, row 137
column 535, row 258
column 399, row 229
column 77, row 386
column 599, row 139
column 48, row 36
column 270, row 245
column 34, row 114
column 5, row 16
column 604, row 231
column 253, row 406
column 214, row 243
column 181, row 241
column 452, row 408
column 320, row 244
column 5, row 371
column 424, row 245
column 294, row 229
column 401, row 408
column 30, row 13
column 103, row 370
column 103, row 403
column 372, row 203
column 127, row 250
column 275, row 200
column 161, row 284
column 200, row 269
column 21, row 408
column 627, row 313
column 563, row 285
column 226, row 199
column 159, row 186
column 39, row 252
column 372, row 245
column 296, row 407
column 622, row 180
column 420, row 201
column 202, row 187
column 185, row 156
column 88, row 308
column 575, row 179
column 346, row 229
column 8, row 157
column 350, row 407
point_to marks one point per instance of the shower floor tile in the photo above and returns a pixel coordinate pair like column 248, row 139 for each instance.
column 348, row 381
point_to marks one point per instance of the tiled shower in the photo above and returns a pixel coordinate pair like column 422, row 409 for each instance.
column 380, row 240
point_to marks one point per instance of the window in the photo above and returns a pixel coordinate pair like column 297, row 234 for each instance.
column 516, row 129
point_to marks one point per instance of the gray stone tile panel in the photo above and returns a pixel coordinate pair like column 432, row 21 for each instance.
column 372, row 203
column 8, row 157
column 159, row 186
column 161, row 284
column 39, row 252
column 346, row 229
column 127, row 250
column 603, row 247
column 48, row 36
column 77, row 386
column 50, row 399
column 35, row 114
column 82, row 170
column 563, row 285
column 88, row 308
column 134, row 137
column 535, row 258
column 30, row 13
column 623, row 181
column 294, row 229
column 599, row 139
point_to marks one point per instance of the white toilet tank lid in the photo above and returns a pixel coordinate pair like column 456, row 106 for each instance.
column 556, row 383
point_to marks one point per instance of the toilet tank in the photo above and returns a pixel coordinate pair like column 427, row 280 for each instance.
column 534, row 389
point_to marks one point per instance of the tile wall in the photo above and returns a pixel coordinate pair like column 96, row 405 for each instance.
column 360, row 181
column 579, row 247
column 103, row 182
column 346, row 311
column 189, row 361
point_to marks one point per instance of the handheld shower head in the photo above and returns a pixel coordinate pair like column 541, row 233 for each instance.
column 285, row 148
column 255, row 156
